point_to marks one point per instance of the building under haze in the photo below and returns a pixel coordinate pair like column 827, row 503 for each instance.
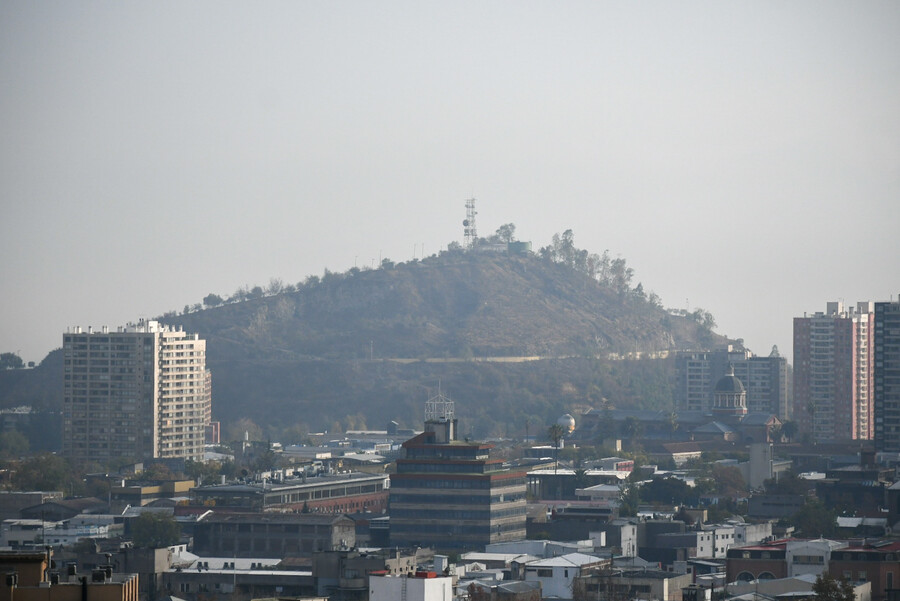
column 886, row 376
column 833, row 373
column 766, row 380
column 449, row 493
column 138, row 393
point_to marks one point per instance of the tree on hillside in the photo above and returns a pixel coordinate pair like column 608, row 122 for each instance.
column 507, row 232
column 11, row 361
column 153, row 530
column 212, row 300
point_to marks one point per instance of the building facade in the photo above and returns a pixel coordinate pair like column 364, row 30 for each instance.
column 833, row 373
column 339, row 493
column 886, row 377
column 272, row 534
column 766, row 380
column 450, row 494
column 141, row 392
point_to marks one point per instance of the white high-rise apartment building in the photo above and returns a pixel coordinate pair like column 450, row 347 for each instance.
column 138, row 393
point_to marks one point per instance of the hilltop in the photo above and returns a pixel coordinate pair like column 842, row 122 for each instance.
column 514, row 339
column 460, row 305
column 329, row 353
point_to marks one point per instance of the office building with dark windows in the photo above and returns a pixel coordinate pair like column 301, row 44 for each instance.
column 450, row 494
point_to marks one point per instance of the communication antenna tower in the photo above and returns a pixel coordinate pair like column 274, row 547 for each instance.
column 471, row 233
column 439, row 408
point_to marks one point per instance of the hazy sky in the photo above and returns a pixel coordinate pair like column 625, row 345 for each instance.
column 743, row 157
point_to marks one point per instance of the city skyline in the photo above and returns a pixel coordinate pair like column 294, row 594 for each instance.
column 742, row 158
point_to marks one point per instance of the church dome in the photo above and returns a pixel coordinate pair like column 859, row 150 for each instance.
column 729, row 383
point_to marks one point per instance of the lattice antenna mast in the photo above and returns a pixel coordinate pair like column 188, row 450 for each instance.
column 439, row 408
column 469, row 229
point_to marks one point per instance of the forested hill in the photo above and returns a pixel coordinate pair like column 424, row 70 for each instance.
column 458, row 304
column 322, row 354
column 357, row 349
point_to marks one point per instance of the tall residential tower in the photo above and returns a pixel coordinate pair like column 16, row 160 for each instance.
column 833, row 373
column 138, row 393
column 886, row 377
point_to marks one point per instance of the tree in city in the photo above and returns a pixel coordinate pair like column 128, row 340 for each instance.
column 13, row 444
column 46, row 472
column 153, row 530
column 11, row 361
column 632, row 428
column 827, row 588
column 556, row 433
column 629, row 500
column 789, row 430
column 814, row 520
column 729, row 480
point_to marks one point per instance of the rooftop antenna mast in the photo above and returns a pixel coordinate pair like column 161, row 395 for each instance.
column 471, row 233
column 439, row 408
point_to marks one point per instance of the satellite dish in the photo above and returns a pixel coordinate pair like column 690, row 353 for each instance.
column 466, row 222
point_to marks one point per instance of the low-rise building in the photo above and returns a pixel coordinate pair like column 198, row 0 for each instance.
column 557, row 575
column 38, row 533
column 138, row 493
column 12, row 503
column 335, row 493
column 231, row 583
column 757, row 562
column 29, row 578
column 420, row 586
column 877, row 562
column 631, row 584
column 272, row 534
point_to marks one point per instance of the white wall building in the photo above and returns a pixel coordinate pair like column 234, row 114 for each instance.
column 713, row 541
column 410, row 588
column 809, row 556
column 557, row 574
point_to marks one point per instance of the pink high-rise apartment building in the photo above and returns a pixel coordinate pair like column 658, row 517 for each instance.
column 833, row 373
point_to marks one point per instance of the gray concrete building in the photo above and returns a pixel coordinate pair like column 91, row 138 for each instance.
column 886, row 376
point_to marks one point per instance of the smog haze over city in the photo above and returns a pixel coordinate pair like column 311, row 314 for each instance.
column 744, row 157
